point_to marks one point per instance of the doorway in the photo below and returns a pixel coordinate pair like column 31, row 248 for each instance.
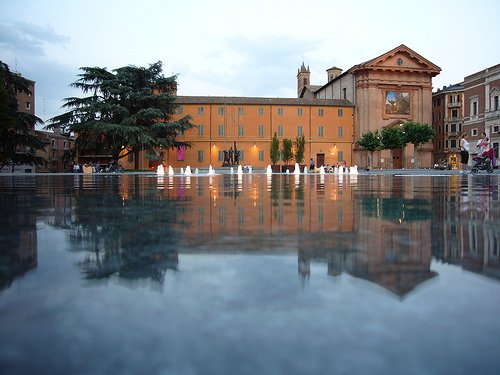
column 397, row 158
column 320, row 160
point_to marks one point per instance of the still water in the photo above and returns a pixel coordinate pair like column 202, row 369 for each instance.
column 281, row 274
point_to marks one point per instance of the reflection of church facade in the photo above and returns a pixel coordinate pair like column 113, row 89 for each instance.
column 385, row 91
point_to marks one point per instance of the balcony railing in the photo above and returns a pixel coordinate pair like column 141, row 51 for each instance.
column 454, row 105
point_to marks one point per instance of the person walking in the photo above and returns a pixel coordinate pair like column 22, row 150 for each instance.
column 464, row 153
column 311, row 165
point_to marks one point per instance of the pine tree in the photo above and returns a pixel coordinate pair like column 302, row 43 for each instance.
column 126, row 110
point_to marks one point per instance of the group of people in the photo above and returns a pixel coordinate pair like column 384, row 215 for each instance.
column 484, row 148
column 328, row 168
column 112, row 167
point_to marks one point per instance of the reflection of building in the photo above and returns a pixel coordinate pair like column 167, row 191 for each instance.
column 464, row 229
column 400, row 76
column 447, row 117
column 19, row 241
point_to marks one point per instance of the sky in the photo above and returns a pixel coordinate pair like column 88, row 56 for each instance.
column 238, row 48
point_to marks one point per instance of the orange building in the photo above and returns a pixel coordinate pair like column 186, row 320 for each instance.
column 252, row 122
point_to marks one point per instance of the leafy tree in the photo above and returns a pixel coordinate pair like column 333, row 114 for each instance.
column 370, row 141
column 300, row 148
column 417, row 134
column 392, row 138
column 287, row 150
column 18, row 141
column 126, row 110
column 274, row 150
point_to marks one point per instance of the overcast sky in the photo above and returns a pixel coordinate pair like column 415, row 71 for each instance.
column 238, row 48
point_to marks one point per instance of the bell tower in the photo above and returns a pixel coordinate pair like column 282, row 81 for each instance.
column 303, row 78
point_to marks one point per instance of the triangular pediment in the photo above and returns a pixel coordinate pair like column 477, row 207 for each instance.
column 401, row 59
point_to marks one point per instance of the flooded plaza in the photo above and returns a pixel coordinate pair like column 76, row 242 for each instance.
column 249, row 274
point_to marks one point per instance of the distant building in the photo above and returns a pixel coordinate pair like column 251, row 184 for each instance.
column 482, row 106
column 26, row 104
column 447, row 121
column 57, row 152
column 250, row 124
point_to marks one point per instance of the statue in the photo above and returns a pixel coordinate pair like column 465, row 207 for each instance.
column 231, row 152
column 236, row 155
column 226, row 159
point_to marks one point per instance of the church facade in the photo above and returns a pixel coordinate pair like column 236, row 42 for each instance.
column 387, row 91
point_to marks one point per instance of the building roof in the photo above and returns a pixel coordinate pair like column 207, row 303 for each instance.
column 454, row 87
column 372, row 64
column 234, row 100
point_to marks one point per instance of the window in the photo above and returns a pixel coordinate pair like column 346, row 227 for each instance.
column 53, row 142
column 299, row 111
column 340, row 131
column 221, row 131
column 261, row 111
column 221, row 111
column 320, row 131
column 180, row 110
column 131, row 157
column 220, row 156
column 453, row 143
column 200, row 110
column 240, row 111
column 242, row 155
column 261, row 130
column 261, row 155
column 320, row 112
column 200, row 155
column 280, row 130
column 240, row 130
column 280, row 111
column 473, row 133
column 454, row 113
column 496, row 104
column 340, row 112
column 299, row 130
column 439, row 116
column 453, row 127
column 28, row 105
column 340, row 156
column 474, row 106
column 495, row 128
column 344, row 93
column 200, row 130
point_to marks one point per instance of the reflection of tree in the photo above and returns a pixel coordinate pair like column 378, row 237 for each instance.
column 397, row 208
column 133, row 238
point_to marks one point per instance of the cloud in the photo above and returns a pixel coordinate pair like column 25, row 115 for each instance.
column 253, row 66
column 29, row 38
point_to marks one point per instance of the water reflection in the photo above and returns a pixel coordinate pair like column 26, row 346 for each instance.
column 385, row 229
